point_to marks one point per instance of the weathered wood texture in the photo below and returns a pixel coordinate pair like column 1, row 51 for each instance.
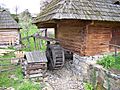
column 35, row 64
column 36, row 56
column 73, row 35
column 86, row 38
column 97, row 35
column 115, row 37
column 9, row 36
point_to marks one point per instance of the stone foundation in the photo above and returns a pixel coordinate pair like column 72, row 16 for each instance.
column 99, row 77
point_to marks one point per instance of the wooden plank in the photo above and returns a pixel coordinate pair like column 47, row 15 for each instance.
column 1, row 59
column 34, row 72
column 36, row 75
column 36, row 67
column 28, row 57
column 36, row 56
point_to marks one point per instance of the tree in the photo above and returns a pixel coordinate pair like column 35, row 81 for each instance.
column 25, row 21
column 16, row 9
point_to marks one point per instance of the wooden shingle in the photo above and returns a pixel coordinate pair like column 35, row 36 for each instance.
column 6, row 20
column 103, row 10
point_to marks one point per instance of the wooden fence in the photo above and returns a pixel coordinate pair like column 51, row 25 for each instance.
column 8, row 66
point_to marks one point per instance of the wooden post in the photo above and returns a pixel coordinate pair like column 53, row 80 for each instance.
column 40, row 43
column 46, row 32
column 9, row 41
column 19, row 37
column 115, row 54
column 28, row 43
column 115, row 51
column 34, row 42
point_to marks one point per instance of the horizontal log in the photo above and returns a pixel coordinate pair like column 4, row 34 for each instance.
column 34, row 67
column 31, row 72
column 1, row 59
column 35, row 75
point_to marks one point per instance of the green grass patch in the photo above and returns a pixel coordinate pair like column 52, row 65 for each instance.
column 14, row 78
column 7, row 81
column 88, row 86
column 110, row 62
column 18, row 81
column 27, row 85
column 8, row 55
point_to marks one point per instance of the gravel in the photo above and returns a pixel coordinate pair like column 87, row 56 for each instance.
column 64, row 79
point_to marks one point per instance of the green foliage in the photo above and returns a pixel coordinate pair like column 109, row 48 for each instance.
column 88, row 86
column 32, row 30
column 30, row 46
column 107, row 61
column 18, row 81
column 116, row 65
column 6, row 81
column 110, row 61
column 27, row 85
column 25, row 21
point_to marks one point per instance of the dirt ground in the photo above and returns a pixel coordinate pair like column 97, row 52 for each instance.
column 64, row 79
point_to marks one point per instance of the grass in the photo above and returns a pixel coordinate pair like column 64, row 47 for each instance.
column 88, row 86
column 14, row 78
column 29, row 86
column 110, row 62
column 8, row 55
column 6, row 81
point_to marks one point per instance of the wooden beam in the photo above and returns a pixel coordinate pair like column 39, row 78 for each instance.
column 46, row 25
column 107, row 23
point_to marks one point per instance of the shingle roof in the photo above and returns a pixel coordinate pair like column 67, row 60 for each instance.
column 104, row 10
column 6, row 20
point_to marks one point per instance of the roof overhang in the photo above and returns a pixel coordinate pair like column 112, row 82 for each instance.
column 46, row 24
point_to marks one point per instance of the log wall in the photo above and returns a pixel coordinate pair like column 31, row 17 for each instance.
column 9, row 36
column 115, row 37
column 86, row 37
column 73, row 35
column 95, row 37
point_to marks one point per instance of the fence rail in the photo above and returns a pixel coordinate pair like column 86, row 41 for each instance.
column 116, row 47
column 10, row 67
column 2, row 59
column 113, row 45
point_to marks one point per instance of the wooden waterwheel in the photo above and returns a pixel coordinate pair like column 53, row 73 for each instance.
column 55, row 56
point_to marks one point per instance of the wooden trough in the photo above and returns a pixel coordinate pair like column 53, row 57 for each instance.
column 34, row 64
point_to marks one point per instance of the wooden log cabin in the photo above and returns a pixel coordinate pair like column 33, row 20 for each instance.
column 83, row 25
column 9, row 29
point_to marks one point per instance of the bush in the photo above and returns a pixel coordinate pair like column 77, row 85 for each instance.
column 110, row 62
column 107, row 61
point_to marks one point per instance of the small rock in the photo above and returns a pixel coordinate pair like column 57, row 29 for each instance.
column 13, row 77
column 47, row 87
column 45, row 79
column 10, row 88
